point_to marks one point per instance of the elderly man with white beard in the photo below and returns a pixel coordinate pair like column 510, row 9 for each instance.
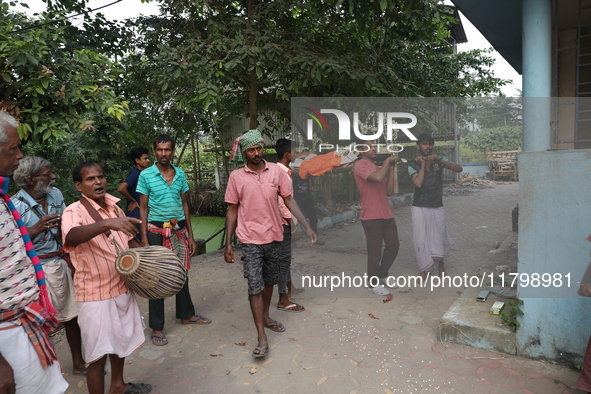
column 41, row 206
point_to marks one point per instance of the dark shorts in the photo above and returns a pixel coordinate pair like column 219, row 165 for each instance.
column 261, row 265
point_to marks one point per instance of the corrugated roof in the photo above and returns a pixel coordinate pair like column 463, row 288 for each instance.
column 457, row 30
column 500, row 22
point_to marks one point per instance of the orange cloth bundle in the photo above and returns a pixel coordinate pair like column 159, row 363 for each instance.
column 320, row 164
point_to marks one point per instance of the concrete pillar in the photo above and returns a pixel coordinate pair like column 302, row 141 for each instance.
column 537, row 74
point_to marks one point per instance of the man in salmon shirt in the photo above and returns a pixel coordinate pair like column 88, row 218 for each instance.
column 253, row 212
column 105, row 302
column 375, row 184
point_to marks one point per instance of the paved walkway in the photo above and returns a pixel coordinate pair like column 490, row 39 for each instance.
column 335, row 346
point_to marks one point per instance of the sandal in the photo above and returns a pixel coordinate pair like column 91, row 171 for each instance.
column 292, row 308
column 158, row 340
column 379, row 290
column 138, row 388
column 275, row 323
column 195, row 320
column 259, row 348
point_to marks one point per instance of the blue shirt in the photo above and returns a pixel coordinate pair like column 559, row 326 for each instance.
column 164, row 200
column 30, row 211
column 131, row 180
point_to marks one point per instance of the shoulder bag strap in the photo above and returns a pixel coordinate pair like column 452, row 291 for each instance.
column 93, row 213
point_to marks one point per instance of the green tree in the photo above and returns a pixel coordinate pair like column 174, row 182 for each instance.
column 51, row 88
column 238, row 56
column 489, row 112
column 108, row 145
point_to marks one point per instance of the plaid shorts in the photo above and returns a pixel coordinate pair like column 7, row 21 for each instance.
column 261, row 265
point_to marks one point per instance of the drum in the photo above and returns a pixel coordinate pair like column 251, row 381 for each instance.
column 152, row 272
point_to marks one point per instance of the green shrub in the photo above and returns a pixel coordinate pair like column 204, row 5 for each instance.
column 496, row 139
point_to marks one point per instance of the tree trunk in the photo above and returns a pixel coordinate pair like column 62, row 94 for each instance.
column 195, row 158
column 253, row 89
column 253, row 100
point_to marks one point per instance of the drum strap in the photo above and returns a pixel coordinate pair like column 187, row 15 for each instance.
column 97, row 218
column 93, row 213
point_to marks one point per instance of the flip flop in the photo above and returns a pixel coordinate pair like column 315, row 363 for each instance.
column 163, row 341
column 275, row 323
column 291, row 308
column 257, row 355
column 195, row 320
column 138, row 388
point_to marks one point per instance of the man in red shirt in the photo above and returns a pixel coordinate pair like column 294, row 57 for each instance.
column 375, row 184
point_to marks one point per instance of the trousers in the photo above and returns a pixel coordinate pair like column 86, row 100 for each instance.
column 377, row 233
column 184, row 304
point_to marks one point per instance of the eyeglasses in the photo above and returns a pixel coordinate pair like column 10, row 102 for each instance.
column 42, row 174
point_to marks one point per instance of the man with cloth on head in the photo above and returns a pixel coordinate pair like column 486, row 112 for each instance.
column 166, row 221
column 253, row 212
column 28, row 362
column 429, row 229
column 109, row 317
column 41, row 206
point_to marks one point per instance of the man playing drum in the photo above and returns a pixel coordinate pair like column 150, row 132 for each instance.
column 90, row 229
column 41, row 206
column 166, row 221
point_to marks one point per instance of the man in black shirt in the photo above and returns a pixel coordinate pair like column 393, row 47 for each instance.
column 430, row 238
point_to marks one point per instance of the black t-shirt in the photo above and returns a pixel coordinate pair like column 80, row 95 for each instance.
column 301, row 187
column 430, row 195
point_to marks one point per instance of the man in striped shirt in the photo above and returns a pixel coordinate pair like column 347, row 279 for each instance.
column 105, row 302
column 166, row 221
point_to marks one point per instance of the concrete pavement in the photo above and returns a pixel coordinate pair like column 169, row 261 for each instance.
column 335, row 346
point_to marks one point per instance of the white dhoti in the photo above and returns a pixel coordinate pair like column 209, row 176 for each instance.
column 429, row 235
column 112, row 326
column 60, row 287
column 29, row 374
